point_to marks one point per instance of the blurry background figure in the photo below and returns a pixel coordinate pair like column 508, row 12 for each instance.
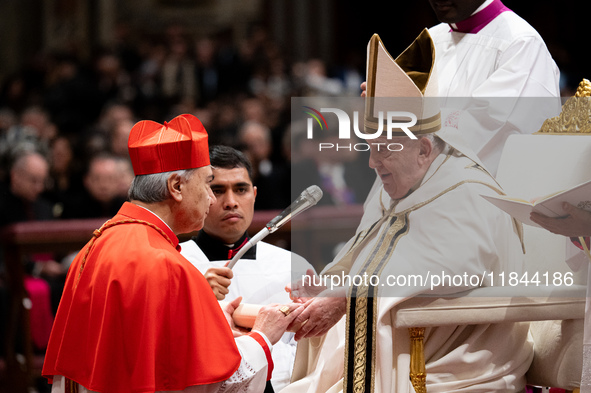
column 99, row 198
column 273, row 177
column 124, row 177
column 113, row 114
column 178, row 71
column 339, row 167
column 207, row 77
column 318, row 81
column 253, row 109
column 113, row 82
column 106, row 134
column 65, row 176
column 21, row 198
column 37, row 118
column 71, row 95
column 342, row 177
column 273, row 83
column 20, row 201
column 7, row 119
column 118, row 137
column 32, row 130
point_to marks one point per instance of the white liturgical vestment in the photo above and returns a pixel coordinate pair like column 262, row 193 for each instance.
column 443, row 228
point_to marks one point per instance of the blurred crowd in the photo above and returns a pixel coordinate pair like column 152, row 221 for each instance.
column 75, row 115
column 65, row 120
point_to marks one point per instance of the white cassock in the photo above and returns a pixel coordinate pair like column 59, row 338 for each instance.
column 251, row 376
column 442, row 228
column 507, row 58
column 261, row 281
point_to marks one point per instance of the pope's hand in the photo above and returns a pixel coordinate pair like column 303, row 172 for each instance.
column 306, row 288
column 219, row 279
column 363, row 89
column 273, row 319
column 320, row 314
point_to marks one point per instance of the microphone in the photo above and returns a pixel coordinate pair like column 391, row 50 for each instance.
column 308, row 198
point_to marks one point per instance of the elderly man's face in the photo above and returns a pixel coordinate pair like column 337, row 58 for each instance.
column 196, row 200
column 28, row 178
column 454, row 11
column 102, row 179
column 402, row 170
column 230, row 216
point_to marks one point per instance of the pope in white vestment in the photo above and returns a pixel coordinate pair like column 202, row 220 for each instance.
column 427, row 217
column 443, row 226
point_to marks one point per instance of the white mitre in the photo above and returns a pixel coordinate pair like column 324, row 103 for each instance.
column 407, row 84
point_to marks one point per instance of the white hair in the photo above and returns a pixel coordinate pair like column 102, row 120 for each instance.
column 439, row 145
column 154, row 187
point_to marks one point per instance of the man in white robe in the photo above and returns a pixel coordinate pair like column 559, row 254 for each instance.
column 426, row 218
column 262, row 273
column 485, row 53
column 485, row 50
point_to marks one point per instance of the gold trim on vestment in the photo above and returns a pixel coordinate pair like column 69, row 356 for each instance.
column 419, row 205
column 374, row 265
column 370, row 88
column 360, row 346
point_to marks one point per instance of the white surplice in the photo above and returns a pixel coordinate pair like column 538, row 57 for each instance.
column 451, row 230
column 506, row 59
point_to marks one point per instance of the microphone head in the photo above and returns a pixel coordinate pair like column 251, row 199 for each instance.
column 312, row 194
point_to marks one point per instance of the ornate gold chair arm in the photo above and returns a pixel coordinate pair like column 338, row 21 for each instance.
column 418, row 373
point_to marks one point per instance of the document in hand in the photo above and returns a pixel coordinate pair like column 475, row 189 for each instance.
column 548, row 205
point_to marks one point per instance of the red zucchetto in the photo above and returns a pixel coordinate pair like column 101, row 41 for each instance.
column 176, row 145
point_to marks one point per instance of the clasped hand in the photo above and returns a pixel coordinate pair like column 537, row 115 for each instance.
column 323, row 307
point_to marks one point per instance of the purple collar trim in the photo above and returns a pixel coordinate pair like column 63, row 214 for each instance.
column 478, row 21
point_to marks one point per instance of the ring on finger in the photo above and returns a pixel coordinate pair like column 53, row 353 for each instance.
column 285, row 310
